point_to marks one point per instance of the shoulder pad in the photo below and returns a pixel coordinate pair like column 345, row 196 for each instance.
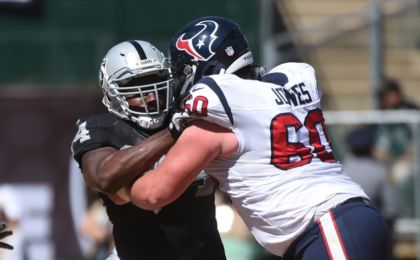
column 105, row 130
column 290, row 74
column 208, row 101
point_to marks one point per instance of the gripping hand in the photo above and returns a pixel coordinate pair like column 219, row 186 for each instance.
column 178, row 123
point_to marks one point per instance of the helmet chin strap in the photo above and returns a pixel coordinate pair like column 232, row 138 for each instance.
column 189, row 79
column 239, row 63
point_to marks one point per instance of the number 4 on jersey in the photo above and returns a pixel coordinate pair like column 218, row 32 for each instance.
column 288, row 136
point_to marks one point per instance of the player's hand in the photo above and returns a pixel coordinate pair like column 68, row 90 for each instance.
column 5, row 233
column 178, row 123
column 121, row 197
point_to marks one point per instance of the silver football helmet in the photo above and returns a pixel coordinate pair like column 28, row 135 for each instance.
column 137, row 69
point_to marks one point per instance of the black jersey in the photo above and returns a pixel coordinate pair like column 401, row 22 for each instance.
column 185, row 229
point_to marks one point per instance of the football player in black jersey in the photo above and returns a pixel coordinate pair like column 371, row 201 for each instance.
column 113, row 149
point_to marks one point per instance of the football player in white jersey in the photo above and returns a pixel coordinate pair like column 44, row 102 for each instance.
column 264, row 140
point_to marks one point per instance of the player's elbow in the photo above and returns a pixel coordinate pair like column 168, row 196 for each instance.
column 147, row 203
column 98, row 183
column 105, row 184
column 108, row 180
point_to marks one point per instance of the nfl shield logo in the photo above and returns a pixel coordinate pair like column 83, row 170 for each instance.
column 229, row 51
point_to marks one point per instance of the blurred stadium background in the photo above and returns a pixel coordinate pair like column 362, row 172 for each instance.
column 50, row 51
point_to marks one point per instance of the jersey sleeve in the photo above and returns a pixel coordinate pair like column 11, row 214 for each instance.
column 208, row 102
column 102, row 131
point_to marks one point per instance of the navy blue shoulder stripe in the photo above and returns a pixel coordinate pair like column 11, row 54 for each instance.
column 277, row 78
column 139, row 49
column 216, row 89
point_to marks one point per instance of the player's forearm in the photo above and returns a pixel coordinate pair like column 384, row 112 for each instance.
column 177, row 171
column 122, row 168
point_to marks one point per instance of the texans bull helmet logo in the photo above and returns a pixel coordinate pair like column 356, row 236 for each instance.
column 200, row 45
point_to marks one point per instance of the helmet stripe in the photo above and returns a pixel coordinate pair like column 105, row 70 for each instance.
column 139, row 49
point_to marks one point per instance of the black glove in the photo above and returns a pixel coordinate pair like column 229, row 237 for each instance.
column 178, row 123
column 4, row 234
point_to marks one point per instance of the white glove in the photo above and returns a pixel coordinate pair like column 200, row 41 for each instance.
column 178, row 123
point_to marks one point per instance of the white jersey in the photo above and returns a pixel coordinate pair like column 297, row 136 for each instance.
column 284, row 171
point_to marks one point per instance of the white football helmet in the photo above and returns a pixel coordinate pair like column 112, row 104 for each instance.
column 137, row 68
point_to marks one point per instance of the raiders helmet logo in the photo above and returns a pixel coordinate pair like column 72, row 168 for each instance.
column 200, row 45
